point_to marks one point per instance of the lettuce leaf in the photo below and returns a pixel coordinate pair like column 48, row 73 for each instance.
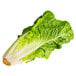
column 39, row 40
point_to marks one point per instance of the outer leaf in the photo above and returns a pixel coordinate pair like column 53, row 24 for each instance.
column 25, row 30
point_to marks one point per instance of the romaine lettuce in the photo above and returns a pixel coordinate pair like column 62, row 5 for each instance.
column 39, row 40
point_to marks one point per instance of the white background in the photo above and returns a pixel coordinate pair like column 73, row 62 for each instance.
column 15, row 15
